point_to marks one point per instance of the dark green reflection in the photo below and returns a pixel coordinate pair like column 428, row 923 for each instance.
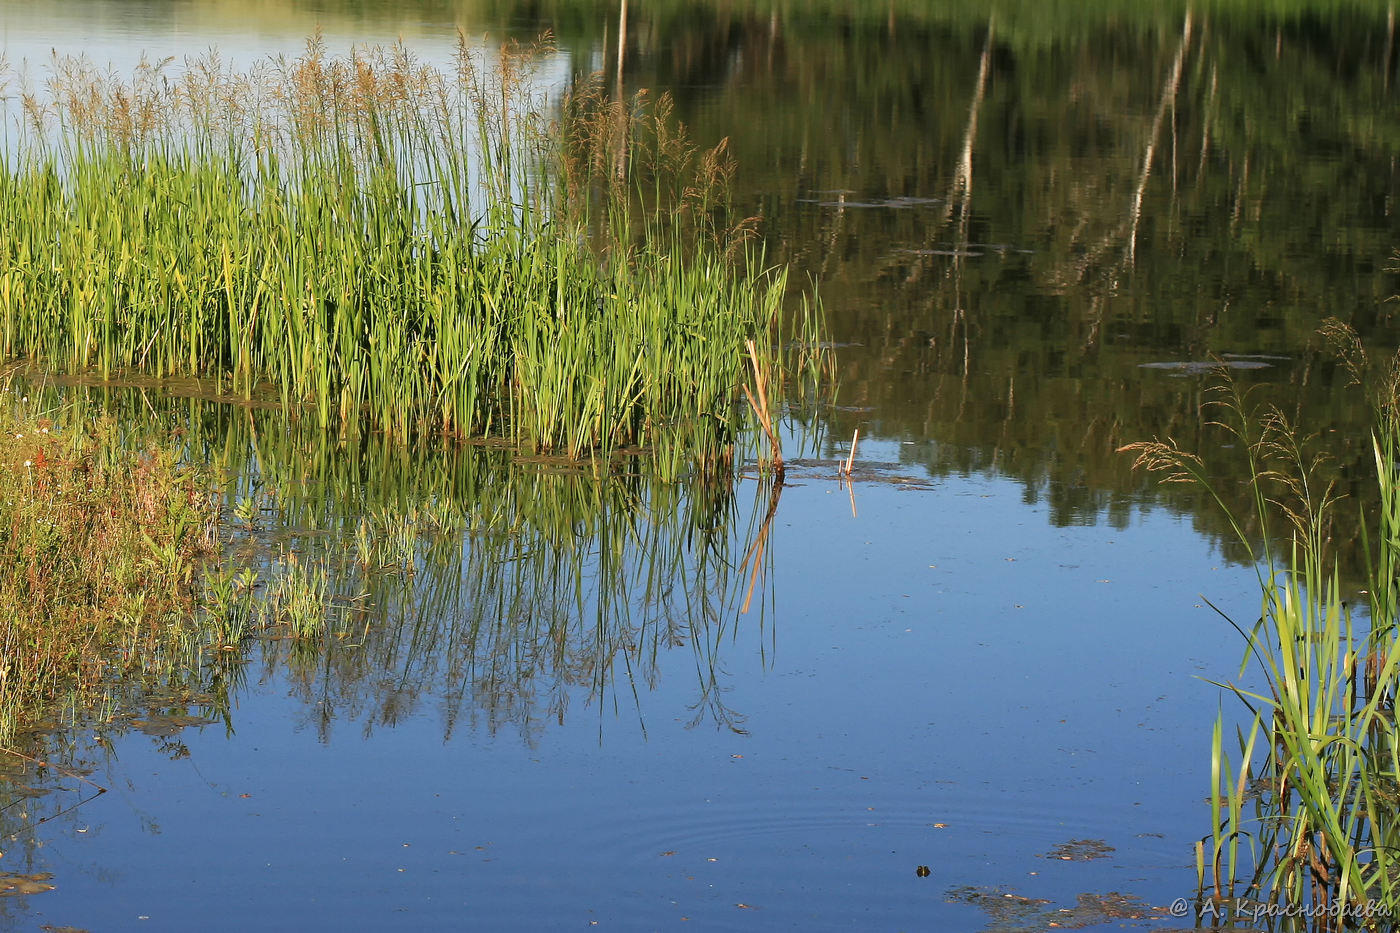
column 1012, row 207
column 1012, row 211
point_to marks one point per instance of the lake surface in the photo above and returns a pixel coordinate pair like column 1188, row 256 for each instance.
column 1032, row 233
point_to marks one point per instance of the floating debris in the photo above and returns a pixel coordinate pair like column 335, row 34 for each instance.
column 166, row 726
column 15, row 885
column 1013, row 913
column 900, row 203
column 22, row 790
column 1080, row 850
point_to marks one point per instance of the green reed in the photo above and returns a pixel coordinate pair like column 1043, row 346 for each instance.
column 1316, row 822
column 385, row 243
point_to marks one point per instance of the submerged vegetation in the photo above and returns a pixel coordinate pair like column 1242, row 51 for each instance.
column 385, row 242
column 1305, row 807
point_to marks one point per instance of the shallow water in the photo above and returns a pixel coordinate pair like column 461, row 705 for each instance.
column 990, row 645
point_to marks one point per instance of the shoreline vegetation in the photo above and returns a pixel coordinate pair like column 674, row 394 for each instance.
column 391, row 244
column 101, row 541
column 387, row 256
column 1305, row 797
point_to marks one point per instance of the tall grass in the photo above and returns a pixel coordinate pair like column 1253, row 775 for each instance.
column 389, row 244
column 1305, row 800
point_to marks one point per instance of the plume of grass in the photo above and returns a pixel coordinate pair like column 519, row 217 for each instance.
column 1326, row 822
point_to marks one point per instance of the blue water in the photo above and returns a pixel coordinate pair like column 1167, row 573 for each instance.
column 928, row 694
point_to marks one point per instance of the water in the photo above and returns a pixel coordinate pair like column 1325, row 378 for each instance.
column 988, row 646
column 970, row 716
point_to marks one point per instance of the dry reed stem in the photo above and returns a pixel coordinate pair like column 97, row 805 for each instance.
column 760, row 408
column 851, row 458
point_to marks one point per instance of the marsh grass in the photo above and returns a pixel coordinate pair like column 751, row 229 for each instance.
column 394, row 245
column 99, row 550
column 1305, row 800
column 115, row 569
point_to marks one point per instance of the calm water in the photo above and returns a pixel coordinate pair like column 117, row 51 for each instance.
column 988, row 647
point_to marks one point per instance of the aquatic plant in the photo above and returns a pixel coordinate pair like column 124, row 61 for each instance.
column 1308, row 810
column 389, row 244
column 99, row 545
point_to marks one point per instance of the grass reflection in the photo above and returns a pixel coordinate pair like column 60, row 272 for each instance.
column 501, row 586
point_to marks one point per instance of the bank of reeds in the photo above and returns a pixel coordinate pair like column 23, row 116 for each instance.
column 1305, row 797
column 390, row 244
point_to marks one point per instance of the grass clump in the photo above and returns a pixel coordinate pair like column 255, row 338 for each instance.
column 386, row 243
column 119, row 574
column 1305, row 803
column 99, row 547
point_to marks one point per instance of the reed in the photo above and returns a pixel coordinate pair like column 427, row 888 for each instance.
column 1314, row 793
column 389, row 244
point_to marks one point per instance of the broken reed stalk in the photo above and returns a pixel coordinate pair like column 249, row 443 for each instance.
column 761, row 410
column 851, row 457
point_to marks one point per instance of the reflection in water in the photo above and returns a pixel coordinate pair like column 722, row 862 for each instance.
column 566, row 589
column 1153, row 183
column 488, row 589
column 1158, row 185
column 504, row 587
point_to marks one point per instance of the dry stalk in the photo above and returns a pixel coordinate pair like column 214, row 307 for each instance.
column 762, row 412
column 851, row 457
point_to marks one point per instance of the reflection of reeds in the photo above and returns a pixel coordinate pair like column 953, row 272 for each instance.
column 501, row 585
column 99, row 548
column 1320, row 814
column 754, row 559
column 382, row 241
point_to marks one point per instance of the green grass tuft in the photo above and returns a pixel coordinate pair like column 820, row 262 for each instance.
column 396, row 246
